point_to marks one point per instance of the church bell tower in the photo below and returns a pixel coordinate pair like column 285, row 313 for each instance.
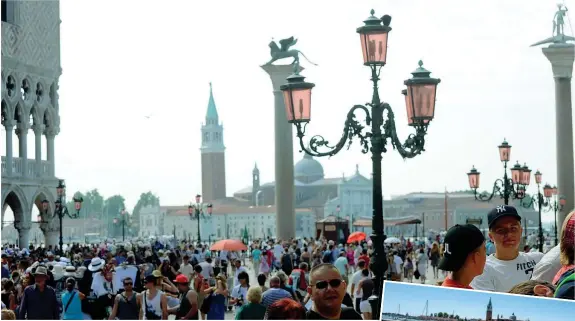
column 213, row 154
column 489, row 313
column 255, row 184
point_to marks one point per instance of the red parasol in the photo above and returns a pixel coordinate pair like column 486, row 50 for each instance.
column 356, row 237
column 228, row 245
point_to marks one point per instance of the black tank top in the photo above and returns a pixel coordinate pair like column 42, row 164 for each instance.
column 128, row 308
column 6, row 299
column 185, row 307
column 367, row 289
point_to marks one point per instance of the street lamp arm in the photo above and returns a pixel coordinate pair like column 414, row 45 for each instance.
column 533, row 201
column 351, row 128
column 498, row 188
column 414, row 144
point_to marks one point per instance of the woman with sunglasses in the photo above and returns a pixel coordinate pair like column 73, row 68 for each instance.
column 126, row 306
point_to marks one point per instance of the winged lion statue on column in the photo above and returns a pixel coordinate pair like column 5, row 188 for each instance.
column 284, row 51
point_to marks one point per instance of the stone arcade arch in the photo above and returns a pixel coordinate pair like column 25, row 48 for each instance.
column 15, row 198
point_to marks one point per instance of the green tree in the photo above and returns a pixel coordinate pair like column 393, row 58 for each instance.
column 113, row 206
column 440, row 315
column 93, row 203
column 146, row 199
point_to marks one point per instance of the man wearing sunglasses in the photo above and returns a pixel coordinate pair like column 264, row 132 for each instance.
column 507, row 267
column 327, row 292
column 126, row 304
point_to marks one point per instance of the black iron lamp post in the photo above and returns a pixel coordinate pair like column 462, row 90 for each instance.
column 420, row 103
column 61, row 209
column 545, row 202
column 196, row 211
column 557, row 204
column 122, row 220
column 507, row 188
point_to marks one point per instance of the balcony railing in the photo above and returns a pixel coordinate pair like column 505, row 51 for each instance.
column 43, row 171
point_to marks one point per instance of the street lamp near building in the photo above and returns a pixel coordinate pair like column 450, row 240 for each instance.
column 507, row 188
column 196, row 211
column 61, row 210
column 122, row 220
column 548, row 201
column 419, row 98
column 541, row 201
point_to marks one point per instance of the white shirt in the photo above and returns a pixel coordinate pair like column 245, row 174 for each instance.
column 187, row 270
column 278, row 251
column 398, row 262
column 207, row 269
column 355, row 279
column 546, row 269
column 240, row 292
column 224, row 255
column 501, row 276
column 238, row 271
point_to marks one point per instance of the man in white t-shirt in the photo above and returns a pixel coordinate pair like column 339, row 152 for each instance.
column 507, row 267
column 239, row 269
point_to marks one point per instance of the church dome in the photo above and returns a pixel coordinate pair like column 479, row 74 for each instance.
column 308, row 170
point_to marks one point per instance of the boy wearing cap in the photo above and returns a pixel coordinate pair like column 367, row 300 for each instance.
column 464, row 255
column 507, row 267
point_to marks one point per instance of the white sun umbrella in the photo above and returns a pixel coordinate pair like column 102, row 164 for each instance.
column 392, row 240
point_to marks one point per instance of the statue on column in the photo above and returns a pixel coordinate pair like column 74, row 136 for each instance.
column 558, row 21
column 284, row 51
column 558, row 34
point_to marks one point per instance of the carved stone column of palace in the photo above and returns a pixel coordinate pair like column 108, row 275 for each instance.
column 284, row 174
column 51, row 232
column 561, row 56
column 23, row 235
column 50, row 135
column 22, row 132
column 9, row 127
column 38, row 131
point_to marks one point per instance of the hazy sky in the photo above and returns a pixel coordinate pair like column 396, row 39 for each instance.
column 123, row 60
column 472, row 304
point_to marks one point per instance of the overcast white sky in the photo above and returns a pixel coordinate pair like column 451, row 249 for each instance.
column 123, row 60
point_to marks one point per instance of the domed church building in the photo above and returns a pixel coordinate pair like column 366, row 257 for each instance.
column 348, row 197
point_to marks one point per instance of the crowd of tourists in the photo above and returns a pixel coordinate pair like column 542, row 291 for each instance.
column 296, row 279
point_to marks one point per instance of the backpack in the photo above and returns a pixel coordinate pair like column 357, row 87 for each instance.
column 297, row 280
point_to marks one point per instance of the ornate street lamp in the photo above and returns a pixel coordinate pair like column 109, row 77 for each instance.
column 196, row 211
column 543, row 203
column 507, row 188
column 61, row 210
column 122, row 220
column 420, row 104
column 556, row 204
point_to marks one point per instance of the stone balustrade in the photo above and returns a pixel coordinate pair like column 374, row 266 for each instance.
column 44, row 170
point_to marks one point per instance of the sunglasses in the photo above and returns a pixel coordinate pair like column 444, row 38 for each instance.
column 334, row 283
column 128, row 283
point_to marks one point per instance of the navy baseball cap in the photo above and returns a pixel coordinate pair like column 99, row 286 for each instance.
column 502, row 211
column 459, row 242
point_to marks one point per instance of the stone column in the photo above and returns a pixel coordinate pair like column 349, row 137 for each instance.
column 9, row 126
column 50, row 135
column 284, row 176
column 561, row 57
column 51, row 236
column 23, row 237
column 22, row 132
column 38, row 131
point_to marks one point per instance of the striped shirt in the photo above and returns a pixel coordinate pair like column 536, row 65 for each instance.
column 274, row 294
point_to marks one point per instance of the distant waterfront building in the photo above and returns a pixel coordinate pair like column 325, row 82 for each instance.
column 435, row 210
column 489, row 315
column 227, row 221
